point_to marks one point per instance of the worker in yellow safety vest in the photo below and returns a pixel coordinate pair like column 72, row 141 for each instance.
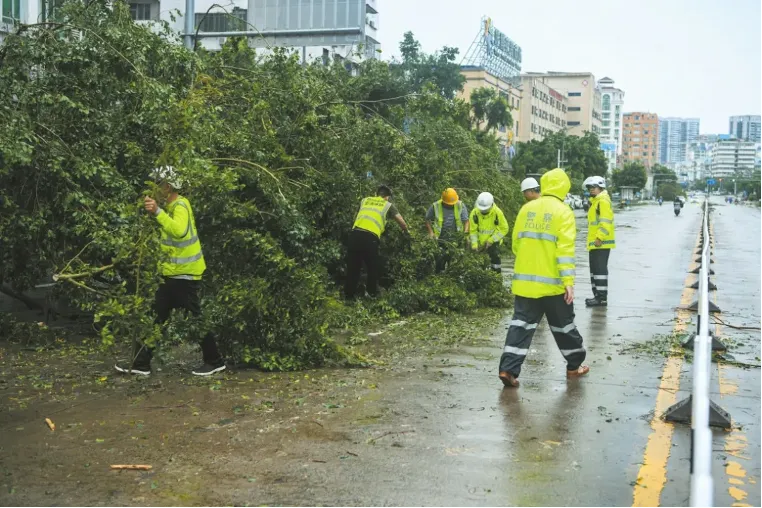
column 446, row 220
column 600, row 239
column 488, row 228
column 364, row 239
column 543, row 279
column 181, row 271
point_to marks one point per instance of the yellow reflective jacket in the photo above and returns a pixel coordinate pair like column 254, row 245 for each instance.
column 491, row 227
column 543, row 241
column 600, row 222
column 180, row 241
column 439, row 216
column 372, row 215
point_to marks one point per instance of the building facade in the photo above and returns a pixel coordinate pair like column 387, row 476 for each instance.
column 675, row 137
column 583, row 111
column 544, row 110
column 731, row 157
column 640, row 138
column 612, row 112
column 746, row 128
column 17, row 11
column 477, row 77
column 316, row 29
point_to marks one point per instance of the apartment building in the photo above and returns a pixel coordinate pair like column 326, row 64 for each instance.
column 731, row 157
column 746, row 127
column 675, row 138
column 478, row 77
column 640, row 138
column 544, row 110
column 583, row 106
column 612, row 110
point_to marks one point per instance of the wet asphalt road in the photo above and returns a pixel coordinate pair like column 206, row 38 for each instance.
column 460, row 439
column 441, row 430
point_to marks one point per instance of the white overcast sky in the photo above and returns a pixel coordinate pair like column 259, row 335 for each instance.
column 685, row 58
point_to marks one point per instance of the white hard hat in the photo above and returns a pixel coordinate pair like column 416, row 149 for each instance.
column 596, row 181
column 167, row 174
column 528, row 184
column 485, row 201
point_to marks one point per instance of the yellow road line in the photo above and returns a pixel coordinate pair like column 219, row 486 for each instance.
column 653, row 472
column 736, row 441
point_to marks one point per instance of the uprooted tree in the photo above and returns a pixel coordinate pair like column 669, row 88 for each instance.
column 275, row 156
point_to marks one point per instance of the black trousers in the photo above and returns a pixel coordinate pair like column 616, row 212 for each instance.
column 599, row 272
column 363, row 248
column 178, row 294
column 527, row 313
column 494, row 257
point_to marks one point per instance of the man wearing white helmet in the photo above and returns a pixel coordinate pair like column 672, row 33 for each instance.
column 181, row 272
column 530, row 188
column 488, row 228
column 600, row 239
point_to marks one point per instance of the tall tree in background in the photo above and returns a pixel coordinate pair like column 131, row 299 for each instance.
column 583, row 156
column 491, row 109
column 439, row 68
column 632, row 175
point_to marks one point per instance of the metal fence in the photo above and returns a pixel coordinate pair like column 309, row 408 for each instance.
column 702, row 484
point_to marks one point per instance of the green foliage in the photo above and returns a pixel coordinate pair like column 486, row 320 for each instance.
column 491, row 109
column 669, row 190
column 275, row 156
column 439, row 69
column 583, row 156
column 632, row 175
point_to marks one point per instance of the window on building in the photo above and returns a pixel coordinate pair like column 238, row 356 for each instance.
column 572, row 124
column 606, row 102
column 617, row 110
column 563, row 108
column 606, row 115
column 575, row 94
column 216, row 21
column 606, row 132
column 142, row 12
column 574, row 108
column 11, row 10
column 606, row 123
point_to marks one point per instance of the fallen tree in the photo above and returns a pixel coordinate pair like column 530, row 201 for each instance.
column 275, row 156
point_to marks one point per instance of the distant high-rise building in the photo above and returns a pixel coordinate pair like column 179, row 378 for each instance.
column 746, row 128
column 612, row 110
column 640, row 138
column 583, row 108
column 675, row 137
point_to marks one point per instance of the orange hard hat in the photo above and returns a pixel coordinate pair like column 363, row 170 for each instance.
column 449, row 196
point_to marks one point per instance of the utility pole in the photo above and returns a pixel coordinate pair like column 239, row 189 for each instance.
column 190, row 13
column 560, row 155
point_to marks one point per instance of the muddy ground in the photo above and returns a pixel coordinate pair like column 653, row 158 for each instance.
column 240, row 438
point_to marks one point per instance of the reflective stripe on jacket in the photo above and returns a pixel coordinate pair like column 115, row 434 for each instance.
column 491, row 226
column 543, row 241
column 600, row 222
column 372, row 215
column 180, row 241
column 439, row 216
